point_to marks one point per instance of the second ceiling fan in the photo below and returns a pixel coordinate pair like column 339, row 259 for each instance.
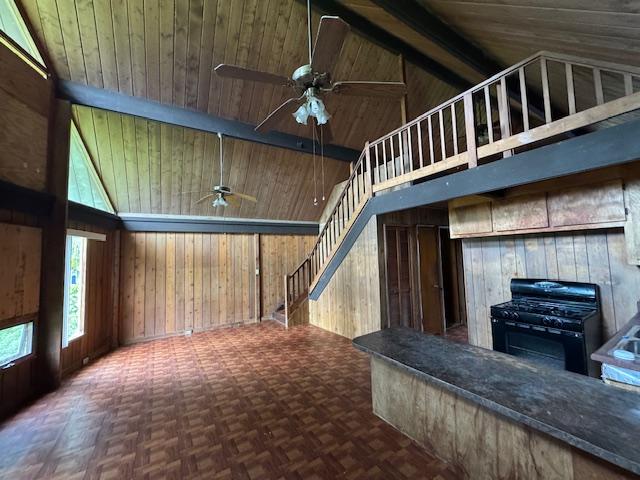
column 311, row 82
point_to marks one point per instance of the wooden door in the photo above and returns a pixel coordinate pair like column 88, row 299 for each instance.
column 430, row 273
column 399, row 288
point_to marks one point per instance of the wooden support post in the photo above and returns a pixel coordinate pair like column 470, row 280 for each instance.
column 369, row 176
column 258, row 289
column 286, row 299
column 49, row 329
column 470, row 129
column 403, row 99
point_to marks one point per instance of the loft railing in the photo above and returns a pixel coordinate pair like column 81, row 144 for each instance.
column 516, row 108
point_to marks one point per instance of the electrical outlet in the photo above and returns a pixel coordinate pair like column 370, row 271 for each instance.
column 187, row 333
column 85, row 360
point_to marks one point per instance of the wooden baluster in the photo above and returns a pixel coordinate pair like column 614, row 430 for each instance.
column 454, row 127
column 628, row 84
column 545, row 90
column 487, row 106
column 402, row 145
column 504, row 113
column 421, row 158
column 369, row 177
column 384, row 159
column 432, row 156
column 523, row 99
column 443, row 147
column 393, row 157
column 597, row 85
column 410, row 148
column 571, row 95
column 470, row 131
column 377, row 170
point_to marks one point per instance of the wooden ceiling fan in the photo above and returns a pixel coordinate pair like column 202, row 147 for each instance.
column 222, row 193
column 311, row 82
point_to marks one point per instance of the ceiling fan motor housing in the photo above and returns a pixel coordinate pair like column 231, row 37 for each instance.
column 222, row 189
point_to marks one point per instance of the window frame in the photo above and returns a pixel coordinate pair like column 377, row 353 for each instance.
column 66, row 339
column 17, row 321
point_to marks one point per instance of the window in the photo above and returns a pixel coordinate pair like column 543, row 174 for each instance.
column 15, row 342
column 12, row 24
column 84, row 185
column 74, row 288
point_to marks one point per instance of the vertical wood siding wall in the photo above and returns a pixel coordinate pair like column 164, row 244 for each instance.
column 351, row 304
column 20, row 253
column 173, row 282
column 100, row 302
column 596, row 257
column 279, row 255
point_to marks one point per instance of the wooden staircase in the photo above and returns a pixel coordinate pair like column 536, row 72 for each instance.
column 515, row 110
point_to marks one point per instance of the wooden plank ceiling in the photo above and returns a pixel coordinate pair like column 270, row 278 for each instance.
column 165, row 50
column 146, row 167
column 511, row 30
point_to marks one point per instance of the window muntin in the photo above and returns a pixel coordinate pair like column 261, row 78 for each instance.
column 15, row 342
column 74, row 288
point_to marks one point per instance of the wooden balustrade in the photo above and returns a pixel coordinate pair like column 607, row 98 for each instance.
column 460, row 133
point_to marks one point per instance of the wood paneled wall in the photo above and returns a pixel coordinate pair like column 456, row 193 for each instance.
column 24, row 110
column 279, row 255
column 350, row 305
column 173, row 282
column 100, row 301
column 595, row 256
column 20, row 253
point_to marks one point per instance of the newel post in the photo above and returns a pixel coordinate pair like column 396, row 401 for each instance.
column 470, row 130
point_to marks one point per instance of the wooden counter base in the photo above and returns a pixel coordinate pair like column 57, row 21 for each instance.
column 479, row 443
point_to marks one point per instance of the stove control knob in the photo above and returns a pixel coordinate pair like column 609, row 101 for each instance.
column 547, row 321
column 515, row 315
column 557, row 323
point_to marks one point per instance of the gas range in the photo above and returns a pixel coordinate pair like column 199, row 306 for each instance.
column 562, row 315
column 563, row 305
column 553, row 322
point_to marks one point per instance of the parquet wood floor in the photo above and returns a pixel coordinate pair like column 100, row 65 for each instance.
column 256, row 402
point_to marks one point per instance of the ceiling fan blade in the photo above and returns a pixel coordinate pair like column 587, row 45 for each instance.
column 370, row 89
column 233, row 200
column 331, row 35
column 245, row 196
column 241, row 73
column 287, row 108
column 204, row 198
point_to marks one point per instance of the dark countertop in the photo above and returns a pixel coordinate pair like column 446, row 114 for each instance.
column 581, row 411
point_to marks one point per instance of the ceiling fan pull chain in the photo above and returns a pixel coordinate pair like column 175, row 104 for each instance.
column 313, row 152
column 322, row 158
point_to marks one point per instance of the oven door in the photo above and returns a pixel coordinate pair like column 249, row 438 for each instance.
column 561, row 349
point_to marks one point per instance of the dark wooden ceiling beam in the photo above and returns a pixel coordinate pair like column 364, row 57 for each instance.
column 88, row 96
column 384, row 39
column 427, row 24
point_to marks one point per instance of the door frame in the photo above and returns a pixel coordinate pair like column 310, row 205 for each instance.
column 438, row 229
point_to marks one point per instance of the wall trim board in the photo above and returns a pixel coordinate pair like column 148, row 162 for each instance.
column 604, row 148
column 93, row 216
column 189, row 224
column 25, row 200
column 129, row 105
column 133, row 341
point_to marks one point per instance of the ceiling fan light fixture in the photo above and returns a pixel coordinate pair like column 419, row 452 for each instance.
column 220, row 201
column 318, row 110
column 302, row 114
